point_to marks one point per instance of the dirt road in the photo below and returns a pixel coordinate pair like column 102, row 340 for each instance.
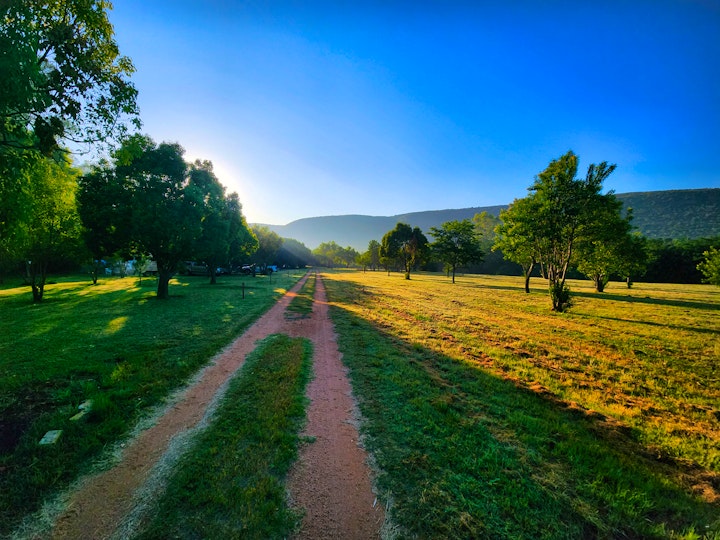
column 331, row 480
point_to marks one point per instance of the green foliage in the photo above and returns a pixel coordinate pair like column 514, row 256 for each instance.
column 114, row 344
column 456, row 244
column 561, row 217
column 330, row 255
column 230, row 484
column 404, row 246
column 710, row 266
column 676, row 261
column 485, row 225
column 607, row 245
column 294, row 254
column 63, row 77
column 150, row 202
column 269, row 244
column 50, row 224
column 223, row 227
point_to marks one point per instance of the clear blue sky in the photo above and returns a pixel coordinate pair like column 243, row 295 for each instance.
column 381, row 108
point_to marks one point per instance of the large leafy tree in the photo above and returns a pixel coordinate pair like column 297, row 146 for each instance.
column 223, row 225
column 62, row 77
column 561, row 214
column 518, row 238
column 405, row 246
column 53, row 225
column 104, row 208
column 166, row 211
column 269, row 243
column 456, row 243
column 156, row 204
column 607, row 246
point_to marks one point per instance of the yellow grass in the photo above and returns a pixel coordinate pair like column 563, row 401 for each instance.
column 646, row 357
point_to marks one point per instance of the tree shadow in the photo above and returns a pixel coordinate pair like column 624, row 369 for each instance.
column 488, row 449
column 647, row 300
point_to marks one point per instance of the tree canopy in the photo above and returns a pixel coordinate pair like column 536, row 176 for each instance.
column 562, row 216
column 62, row 75
column 456, row 243
column 405, row 246
column 150, row 202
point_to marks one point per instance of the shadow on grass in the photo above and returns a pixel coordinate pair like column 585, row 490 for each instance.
column 712, row 331
column 464, row 453
column 647, row 300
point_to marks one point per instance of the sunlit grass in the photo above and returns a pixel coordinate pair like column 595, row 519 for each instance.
column 114, row 343
column 608, row 412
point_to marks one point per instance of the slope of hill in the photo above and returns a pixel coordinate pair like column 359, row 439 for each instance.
column 690, row 213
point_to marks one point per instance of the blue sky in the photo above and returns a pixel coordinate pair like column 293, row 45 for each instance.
column 381, row 108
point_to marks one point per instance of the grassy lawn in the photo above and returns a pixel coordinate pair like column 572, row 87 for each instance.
column 493, row 417
column 113, row 343
column 230, row 483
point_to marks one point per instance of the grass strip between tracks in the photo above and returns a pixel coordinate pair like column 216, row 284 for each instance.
column 230, row 484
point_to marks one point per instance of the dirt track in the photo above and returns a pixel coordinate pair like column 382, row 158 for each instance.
column 331, row 480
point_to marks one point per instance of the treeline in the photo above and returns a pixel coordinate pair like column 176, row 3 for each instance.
column 564, row 228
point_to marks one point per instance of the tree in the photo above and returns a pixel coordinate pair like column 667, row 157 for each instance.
column 164, row 210
column 404, row 245
column 103, row 205
column 269, row 243
column 516, row 236
column 456, row 244
column 222, row 224
column 371, row 257
column 53, row 227
column 63, row 77
column 16, row 199
column 710, row 266
column 331, row 254
column 485, row 224
column 295, row 254
column 561, row 214
column 243, row 241
column 606, row 246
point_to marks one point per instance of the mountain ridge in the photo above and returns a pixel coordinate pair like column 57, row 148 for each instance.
column 681, row 213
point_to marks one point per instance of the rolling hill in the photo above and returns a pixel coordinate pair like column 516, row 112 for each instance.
column 690, row 213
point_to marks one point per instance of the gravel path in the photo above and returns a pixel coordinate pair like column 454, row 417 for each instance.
column 331, row 480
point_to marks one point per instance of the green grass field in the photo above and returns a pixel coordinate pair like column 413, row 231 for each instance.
column 113, row 343
column 491, row 416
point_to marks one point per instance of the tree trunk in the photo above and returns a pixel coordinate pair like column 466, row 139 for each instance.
column 37, row 282
column 528, row 272
column 163, row 287
column 213, row 279
column 599, row 283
